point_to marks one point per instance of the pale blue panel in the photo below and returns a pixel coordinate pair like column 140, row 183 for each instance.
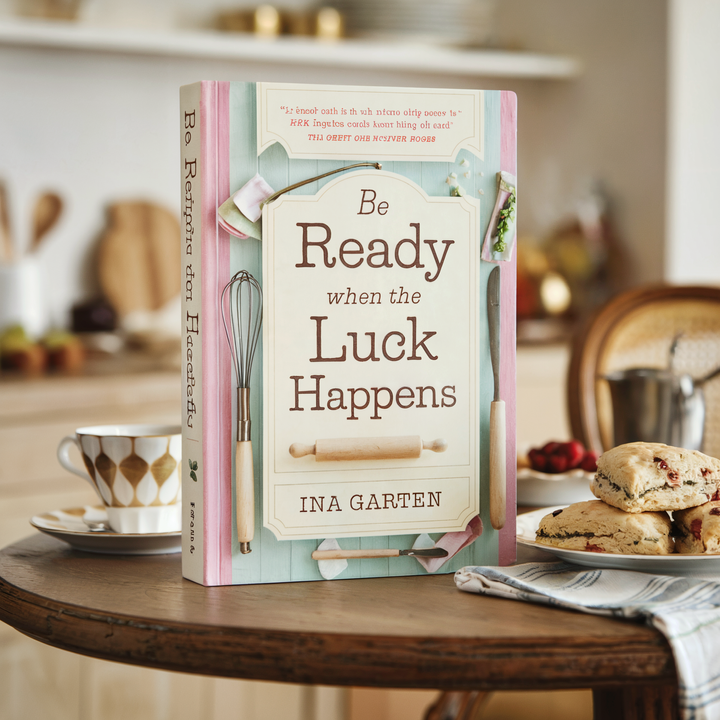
column 247, row 255
column 411, row 170
column 273, row 166
column 243, row 158
column 434, row 178
column 276, row 559
column 324, row 166
column 468, row 175
column 301, row 170
column 303, row 566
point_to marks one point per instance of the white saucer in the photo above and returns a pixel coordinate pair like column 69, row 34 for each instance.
column 73, row 526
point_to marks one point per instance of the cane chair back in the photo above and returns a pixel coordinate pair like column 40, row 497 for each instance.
column 637, row 329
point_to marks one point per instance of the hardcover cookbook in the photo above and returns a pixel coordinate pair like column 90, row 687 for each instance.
column 348, row 331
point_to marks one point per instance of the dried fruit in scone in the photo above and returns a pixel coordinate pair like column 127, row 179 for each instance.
column 697, row 529
column 638, row 477
column 596, row 527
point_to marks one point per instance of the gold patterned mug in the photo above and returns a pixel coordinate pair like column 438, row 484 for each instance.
column 134, row 470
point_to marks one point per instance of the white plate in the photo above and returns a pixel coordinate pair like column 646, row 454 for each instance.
column 539, row 488
column 527, row 524
column 72, row 527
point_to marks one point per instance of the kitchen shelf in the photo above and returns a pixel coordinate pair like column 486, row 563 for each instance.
column 358, row 54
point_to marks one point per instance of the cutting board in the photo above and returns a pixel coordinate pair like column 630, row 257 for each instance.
column 139, row 257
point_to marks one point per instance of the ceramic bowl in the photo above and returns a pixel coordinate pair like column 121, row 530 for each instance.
column 540, row 489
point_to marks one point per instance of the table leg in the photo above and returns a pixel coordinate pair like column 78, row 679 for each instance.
column 456, row 705
column 640, row 702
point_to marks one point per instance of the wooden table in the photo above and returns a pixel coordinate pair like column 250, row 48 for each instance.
column 415, row 632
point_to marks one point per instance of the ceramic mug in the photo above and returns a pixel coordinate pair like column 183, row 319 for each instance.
column 134, row 470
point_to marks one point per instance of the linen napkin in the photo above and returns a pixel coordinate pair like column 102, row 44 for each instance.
column 685, row 609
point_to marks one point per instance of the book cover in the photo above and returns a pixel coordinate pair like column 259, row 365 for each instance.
column 349, row 353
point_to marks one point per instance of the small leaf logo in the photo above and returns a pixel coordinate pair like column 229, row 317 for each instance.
column 193, row 467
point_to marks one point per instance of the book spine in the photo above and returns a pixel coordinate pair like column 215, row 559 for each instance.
column 193, row 465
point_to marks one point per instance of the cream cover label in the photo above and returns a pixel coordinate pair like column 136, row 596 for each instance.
column 370, row 360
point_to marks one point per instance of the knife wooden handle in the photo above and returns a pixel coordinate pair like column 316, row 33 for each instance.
column 244, row 494
column 348, row 554
column 378, row 448
column 497, row 464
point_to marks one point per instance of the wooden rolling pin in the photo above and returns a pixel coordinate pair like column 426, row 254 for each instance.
column 377, row 448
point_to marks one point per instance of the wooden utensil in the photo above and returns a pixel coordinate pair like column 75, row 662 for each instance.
column 139, row 257
column 497, row 408
column 47, row 210
column 374, row 448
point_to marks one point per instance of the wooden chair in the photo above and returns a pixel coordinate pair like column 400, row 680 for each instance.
column 636, row 329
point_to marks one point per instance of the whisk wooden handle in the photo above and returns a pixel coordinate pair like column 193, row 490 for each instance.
column 244, row 494
column 377, row 448
column 497, row 464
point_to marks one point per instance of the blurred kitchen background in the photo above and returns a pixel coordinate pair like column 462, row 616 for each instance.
column 617, row 155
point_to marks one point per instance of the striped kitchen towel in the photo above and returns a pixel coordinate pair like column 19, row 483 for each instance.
column 685, row 609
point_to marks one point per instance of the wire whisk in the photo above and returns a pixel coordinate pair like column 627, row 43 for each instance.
column 245, row 303
column 246, row 314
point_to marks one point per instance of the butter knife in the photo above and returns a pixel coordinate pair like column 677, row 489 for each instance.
column 377, row 553
column 497, row 407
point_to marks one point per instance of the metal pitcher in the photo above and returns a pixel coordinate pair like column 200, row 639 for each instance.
column 657, row 405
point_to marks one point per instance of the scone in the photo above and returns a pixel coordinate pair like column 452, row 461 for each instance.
column 638, row 477
column 594, row 526
column 697, row 529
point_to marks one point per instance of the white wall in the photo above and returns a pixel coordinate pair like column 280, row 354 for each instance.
column 102, row 127
column 694, row 142
column 608, row 125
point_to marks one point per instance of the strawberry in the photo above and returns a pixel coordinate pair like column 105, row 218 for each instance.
column 557, row 463
column 589, row 461
column 550, row 447
column 574, row 451
column 538, row 461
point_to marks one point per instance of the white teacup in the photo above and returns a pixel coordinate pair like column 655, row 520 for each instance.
column 134, row 470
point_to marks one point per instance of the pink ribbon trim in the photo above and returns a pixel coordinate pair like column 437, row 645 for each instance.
column 230, row 229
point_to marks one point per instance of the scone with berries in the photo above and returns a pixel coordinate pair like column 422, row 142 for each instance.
column 697, row 529
column 596, row 527
column 638, row 477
